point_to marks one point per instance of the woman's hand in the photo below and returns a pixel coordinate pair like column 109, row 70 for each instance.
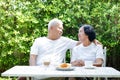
column 98, row 62
column 78, row 63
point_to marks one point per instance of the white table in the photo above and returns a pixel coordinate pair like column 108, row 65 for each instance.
column 38, row 71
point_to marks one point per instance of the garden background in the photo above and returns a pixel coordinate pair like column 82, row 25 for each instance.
column 21, row 21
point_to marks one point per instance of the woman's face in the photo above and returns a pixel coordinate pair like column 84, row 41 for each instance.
column 81, row 35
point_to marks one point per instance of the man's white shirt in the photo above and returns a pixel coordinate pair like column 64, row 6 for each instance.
column 53, row 49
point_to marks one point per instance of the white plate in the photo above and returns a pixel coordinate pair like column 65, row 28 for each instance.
column 89, row 67
column 65, row 69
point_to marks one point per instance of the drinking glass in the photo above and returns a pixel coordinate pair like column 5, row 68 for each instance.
column 46, row 63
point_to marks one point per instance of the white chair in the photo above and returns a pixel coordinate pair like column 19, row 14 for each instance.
column 104, row 64
column 105, row 58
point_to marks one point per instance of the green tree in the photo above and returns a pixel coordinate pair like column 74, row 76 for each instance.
column 23, row 21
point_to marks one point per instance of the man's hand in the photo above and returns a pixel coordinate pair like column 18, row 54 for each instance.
column 97, row 42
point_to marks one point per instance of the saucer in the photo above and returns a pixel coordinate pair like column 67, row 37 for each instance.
column 89, row 67
column 65, row 69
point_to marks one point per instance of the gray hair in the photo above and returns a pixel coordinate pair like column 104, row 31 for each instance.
column 54, row 22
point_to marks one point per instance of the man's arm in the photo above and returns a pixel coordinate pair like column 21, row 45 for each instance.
column 32, row 61
column 79, row 42
column 95, row 41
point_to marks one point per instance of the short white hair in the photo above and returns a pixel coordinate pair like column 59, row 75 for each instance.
column 54, row 22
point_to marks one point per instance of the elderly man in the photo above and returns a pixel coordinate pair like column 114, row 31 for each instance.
column 53, row 46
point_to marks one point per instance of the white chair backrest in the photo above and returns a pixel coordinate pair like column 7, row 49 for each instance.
column 104, row 53
column 105, row 56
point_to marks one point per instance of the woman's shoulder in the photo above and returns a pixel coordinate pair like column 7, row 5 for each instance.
column 96, row 45
column 99, row 47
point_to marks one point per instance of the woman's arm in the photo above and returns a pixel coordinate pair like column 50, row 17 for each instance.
column 98, row 62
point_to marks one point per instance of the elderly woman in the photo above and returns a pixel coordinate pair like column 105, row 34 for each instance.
column 87, row 50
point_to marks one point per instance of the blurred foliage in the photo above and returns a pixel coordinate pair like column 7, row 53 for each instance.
column 21, row 21
column 8, row 78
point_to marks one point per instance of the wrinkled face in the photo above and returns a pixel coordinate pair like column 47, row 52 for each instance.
column 81, row 35
column 57, row 31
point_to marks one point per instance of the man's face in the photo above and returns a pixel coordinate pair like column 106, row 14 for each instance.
column 57, row 31
column 81, row 35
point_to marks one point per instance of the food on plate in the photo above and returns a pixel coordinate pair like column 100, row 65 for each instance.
column 65, row 65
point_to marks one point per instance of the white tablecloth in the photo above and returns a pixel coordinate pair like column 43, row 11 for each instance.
column 39, row 71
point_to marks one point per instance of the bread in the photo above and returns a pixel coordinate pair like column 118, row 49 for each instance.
column 65, row 65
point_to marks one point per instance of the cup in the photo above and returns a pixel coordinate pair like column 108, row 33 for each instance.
column 88, row 63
